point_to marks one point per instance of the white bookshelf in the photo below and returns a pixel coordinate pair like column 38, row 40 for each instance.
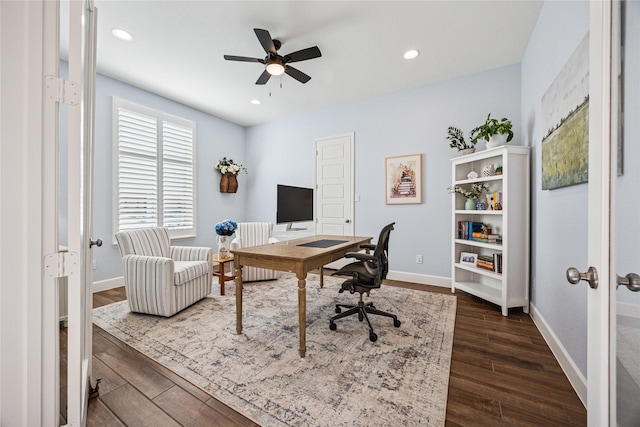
column 511, row 287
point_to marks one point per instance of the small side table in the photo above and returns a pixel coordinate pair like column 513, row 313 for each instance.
column 222, row 278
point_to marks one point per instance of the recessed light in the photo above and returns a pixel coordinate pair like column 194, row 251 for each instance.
column 256, row 102
column 121, row 34
column 410, row 54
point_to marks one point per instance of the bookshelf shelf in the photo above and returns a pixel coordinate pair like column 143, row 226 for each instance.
column 510, row 288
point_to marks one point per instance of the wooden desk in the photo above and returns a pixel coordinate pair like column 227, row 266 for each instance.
column 222, row 278
column 289, row 256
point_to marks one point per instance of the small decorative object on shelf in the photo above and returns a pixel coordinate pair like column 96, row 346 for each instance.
column 229, row 169
column 471, row 195
column 472, row 175
column 499, row 170
column 480, row 206
column 224, row 229
column 488, row 170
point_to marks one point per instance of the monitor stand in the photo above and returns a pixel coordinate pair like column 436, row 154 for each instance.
column 290, row 228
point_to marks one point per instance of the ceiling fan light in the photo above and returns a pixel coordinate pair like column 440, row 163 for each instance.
column 275, row 68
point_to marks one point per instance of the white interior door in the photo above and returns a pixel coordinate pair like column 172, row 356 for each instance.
column 334, row 185
column 334, row 198
column 82, row 38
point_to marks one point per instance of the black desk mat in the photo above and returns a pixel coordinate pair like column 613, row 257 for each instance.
column 323, row 243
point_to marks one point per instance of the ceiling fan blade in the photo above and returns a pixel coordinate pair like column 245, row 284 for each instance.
column 243, row 59
column 303, row 55
column 265, row 40
column 297, row 74
column 264, row 78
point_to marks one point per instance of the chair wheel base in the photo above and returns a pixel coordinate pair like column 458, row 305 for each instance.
column 338, row 310
column 332, row 326
column 373, row 337
column 397, row 323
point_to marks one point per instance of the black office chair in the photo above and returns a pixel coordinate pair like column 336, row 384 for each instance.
column 366, row 274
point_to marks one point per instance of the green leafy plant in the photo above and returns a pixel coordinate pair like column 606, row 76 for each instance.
column 456, row 139
column 492, row 127
column 473, row 193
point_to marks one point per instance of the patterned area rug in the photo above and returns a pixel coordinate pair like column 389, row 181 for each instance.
column 345, row 379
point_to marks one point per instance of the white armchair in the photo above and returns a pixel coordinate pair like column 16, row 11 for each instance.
column 161, row 279
column 254, row 234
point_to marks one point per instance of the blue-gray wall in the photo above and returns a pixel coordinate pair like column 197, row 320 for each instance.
column 407, row 122
column 215, row 138
column 559, row 217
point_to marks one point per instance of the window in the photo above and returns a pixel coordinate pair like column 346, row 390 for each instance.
column 153, row 170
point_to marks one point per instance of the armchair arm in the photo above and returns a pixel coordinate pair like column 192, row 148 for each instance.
column 272, row 240
column 147, row 269
column 370, row 246
column 189, row 253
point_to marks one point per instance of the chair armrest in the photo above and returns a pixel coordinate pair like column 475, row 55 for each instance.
column 370, row 246
column 360, row 256
column 190, row 253
column 153, row 268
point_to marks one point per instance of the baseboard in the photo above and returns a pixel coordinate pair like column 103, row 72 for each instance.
column 104, row 285
column 629, row 310
column 575, row 377
column 422, row 279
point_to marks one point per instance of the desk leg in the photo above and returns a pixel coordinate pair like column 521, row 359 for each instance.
column 302, row 313
column 322, row 277
column 238, row 299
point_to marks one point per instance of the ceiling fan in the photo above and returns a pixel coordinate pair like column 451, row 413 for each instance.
column 277, row 64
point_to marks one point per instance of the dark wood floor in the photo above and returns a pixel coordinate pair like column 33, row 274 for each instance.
column 502, row 373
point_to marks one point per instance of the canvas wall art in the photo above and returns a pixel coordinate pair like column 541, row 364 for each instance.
column 565, row 114
column 403, row 176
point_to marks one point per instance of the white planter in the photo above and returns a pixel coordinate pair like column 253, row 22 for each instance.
column 497, row 140
column 467, row 151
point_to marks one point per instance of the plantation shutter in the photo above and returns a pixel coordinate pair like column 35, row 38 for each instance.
column 154, row 170
column 177, row 188
column 137, row 170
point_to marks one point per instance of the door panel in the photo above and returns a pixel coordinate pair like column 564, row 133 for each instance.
column 625, row 313
column 335, row 188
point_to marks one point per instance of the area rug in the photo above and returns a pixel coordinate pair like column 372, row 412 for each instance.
column 345, row 379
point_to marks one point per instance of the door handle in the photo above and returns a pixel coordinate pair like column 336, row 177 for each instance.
column 347, row 221
column 591, row 276
column 97, row 242
column 631, row 281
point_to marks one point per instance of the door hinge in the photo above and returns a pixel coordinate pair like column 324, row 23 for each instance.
column 61, row 264
column 61, row 91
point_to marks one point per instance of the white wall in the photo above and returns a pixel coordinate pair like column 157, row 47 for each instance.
column 407, row 122
column 559, row 217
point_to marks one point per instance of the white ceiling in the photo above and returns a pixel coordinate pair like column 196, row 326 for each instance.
column 178, row 47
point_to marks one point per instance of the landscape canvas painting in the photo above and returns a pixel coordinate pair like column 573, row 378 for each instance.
column 565, row 113
column 403, row 179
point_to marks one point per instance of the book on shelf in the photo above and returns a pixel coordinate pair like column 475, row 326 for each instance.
column 490, row 262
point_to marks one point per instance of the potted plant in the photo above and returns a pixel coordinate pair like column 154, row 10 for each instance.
column 495, row 132
column 471, row 195
column 456, row 140
column 229, row 169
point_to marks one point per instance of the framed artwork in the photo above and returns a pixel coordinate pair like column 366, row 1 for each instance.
column 468, row 258
column 403, row 179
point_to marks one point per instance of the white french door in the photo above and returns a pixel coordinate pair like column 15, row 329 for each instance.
column 82, row 73
column 613, row 360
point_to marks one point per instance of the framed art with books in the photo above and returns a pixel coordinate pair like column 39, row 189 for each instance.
column 468, row 258
column 403, row 176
